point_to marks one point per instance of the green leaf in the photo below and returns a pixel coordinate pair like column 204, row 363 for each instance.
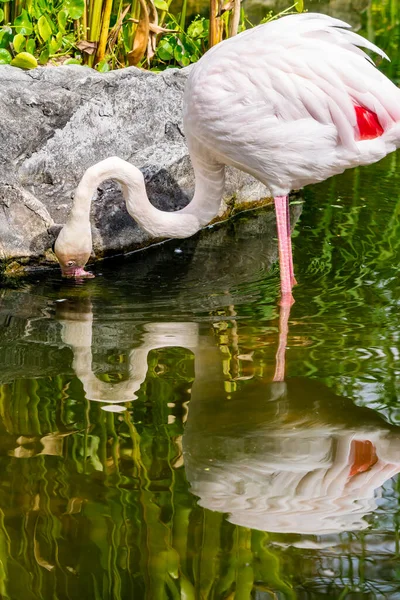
column 31, row 46
column 161, row 4
column 74, row 8
column 103, row 66
column 24, row 60
column 62, row 20
column 180, row 57
column 299, row 4
column 72, row 61
column 165, row 50
column 44, row 28
column 196, row 28
column 5, row 57
column 23, row 24
column 55, row 43
column 1, row 15
column 44, row 56
column 5, row 36
column 18, row 42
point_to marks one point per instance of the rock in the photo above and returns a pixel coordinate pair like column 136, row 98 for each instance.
column 23, row 223
column 58, row 121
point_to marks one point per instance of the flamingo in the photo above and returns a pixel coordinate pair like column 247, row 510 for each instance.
column 291, row 102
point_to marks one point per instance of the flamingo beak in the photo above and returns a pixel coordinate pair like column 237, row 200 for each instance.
column 76, row 273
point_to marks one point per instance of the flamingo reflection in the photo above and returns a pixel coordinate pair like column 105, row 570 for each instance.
column 284, row 456
column 76, row 318
column 289, row 457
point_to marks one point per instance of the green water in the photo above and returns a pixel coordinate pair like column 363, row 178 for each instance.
column 146, row 451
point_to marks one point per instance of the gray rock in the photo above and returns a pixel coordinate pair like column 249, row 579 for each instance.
column 56, row 122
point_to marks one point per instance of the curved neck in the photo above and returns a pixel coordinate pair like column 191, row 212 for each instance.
column 182, row 223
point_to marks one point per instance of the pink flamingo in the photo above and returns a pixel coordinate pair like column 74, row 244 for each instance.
column 291, row 102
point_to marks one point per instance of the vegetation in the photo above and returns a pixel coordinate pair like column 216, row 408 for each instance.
column 381, row 25
column 109, row 34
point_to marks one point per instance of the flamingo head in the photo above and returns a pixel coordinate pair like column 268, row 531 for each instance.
column 73, row 248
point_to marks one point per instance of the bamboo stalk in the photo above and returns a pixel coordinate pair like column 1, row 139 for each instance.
column 235, row 18
column 105, row 27
column 16, row 8
column 245, row 573
column 6, row 9
column 213, row 33
column 85, row 21
column 96, row 9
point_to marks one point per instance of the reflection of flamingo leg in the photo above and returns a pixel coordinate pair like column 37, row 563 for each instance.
column 283, row 334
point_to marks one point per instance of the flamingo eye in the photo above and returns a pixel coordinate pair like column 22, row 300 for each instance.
column 71, row 263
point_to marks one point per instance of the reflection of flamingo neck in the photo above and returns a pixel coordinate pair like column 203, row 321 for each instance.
column 78, row 334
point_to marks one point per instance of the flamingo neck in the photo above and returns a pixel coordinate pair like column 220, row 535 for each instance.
column 180, row 224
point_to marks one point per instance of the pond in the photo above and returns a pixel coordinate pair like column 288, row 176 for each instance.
column 146, row 450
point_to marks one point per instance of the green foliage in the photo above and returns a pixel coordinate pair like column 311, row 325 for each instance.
column 381, row 25
column 38, row 30
column 24, row 60
column 5, row 57
column 107, row 34
column 181, row 49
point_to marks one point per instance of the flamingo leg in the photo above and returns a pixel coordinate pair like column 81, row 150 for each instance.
column 285, row 249
column 289, row 242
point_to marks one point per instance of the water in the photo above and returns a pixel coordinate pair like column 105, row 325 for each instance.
column 146, row 451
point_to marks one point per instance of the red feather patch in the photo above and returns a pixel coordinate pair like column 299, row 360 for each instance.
column 368, row 123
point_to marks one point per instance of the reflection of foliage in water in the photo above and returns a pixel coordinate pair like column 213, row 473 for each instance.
column 104, row 511
column 353, row 244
